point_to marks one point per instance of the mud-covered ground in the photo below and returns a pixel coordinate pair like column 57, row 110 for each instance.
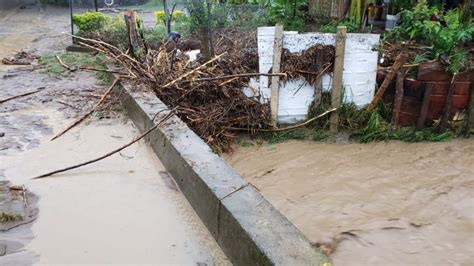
column 381, row 203
column 125, row 209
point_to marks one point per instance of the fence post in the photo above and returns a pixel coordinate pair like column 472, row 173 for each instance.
column 277, row 46
column 337, row 77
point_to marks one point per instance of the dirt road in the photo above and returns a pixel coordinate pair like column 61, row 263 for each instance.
column 125, row 209
column 372, row 204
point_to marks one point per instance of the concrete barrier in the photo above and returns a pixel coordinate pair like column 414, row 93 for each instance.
column 245, row 225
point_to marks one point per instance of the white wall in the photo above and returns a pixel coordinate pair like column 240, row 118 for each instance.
column 360, row 70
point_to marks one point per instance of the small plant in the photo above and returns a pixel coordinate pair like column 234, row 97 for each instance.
column 6, row 217
column 244, row 143
column 90, row 21
column 331, row 26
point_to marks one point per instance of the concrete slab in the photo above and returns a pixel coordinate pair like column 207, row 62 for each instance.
column 247, row 227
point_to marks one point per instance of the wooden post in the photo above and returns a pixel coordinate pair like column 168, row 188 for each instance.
column 318, row 87
column 337, row 77
column 130, row 21
column 277, row 47
column 471, row 109
column 398, row 98
column 447, row 107
column 399, row 61
column 424, row 108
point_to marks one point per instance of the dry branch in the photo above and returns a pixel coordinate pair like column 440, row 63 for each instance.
column 289, row 127
column 192, row 71
column 238, row 76
column 109, row 153
column 21, row 95
column 88, row 113
column 399, row 61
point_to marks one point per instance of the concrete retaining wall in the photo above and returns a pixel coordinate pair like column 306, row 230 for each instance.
column 246, row 226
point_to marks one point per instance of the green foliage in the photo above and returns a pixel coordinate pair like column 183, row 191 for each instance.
column 331, row 26
column 396, row 6
column 156, row 34
column 287, row 13
column 244, row 143
column 246, row 16
column 178, row 16
column 377, row 128
column 51, row 65
column 443, row 31
column 90, row 21
column 279, row 137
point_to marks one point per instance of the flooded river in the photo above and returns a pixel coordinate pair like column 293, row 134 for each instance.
column 380, row 204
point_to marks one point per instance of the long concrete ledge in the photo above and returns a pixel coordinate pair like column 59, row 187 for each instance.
column 246, row 226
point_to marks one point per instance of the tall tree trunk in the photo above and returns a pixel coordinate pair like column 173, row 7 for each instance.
column 167, row 17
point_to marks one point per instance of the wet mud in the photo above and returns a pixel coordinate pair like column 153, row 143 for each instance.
column 380, row 204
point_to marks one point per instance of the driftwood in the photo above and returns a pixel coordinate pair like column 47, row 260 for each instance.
column 289, row 127
column 192, row 71
column 22, row 95
column 447, row 107
column 72, row 69
column 88, row 113
column 237, row 76
column 399, row 61
column 109, row 153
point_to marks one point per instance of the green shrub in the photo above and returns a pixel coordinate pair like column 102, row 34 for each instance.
column 443, row 31
column 90, row 21
column 178, row 16
column 331, row 26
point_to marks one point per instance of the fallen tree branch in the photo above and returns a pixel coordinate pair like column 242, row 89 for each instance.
column 63, row 64
column 88, row 113
column 109, row 153
column 192, row 71
column 72, row 69
column 22, row 95
column 285, row 128
column 399, row 61
column 237, row 76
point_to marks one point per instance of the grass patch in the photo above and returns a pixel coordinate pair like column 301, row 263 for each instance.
column 363, row 126
column 156, row 5
column 244, row 143
column 6, row 217
column 51, row 65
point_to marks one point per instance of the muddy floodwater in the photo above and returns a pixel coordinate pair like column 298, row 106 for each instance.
column 125, row 209
column 381, row 204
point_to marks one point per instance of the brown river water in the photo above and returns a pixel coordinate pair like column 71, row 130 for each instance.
column 379, row 204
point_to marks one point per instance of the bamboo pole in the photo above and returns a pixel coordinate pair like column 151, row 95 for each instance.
column 337, row 77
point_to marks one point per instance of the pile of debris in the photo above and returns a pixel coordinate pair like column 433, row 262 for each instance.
column 21, row 58
column 310, row 64
column 207, row 93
